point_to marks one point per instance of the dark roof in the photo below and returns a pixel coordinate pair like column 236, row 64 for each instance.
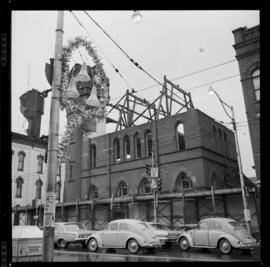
column 28, row 140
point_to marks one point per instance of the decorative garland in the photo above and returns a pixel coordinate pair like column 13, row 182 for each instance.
column 79, row 111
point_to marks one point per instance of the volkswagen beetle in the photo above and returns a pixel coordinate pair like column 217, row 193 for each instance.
column 70, row 232
column 222, row 233
column 124, row 233
column 161, row 232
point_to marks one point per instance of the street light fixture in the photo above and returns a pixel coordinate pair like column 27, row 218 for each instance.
column 211, row 91
column 136, row 17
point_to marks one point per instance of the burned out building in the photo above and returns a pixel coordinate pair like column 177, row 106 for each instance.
column 195, row 156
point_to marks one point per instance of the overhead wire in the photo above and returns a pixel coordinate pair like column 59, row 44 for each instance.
column 101, row 50
column 131, row 59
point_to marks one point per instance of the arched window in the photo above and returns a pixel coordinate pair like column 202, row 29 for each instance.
column 148, row 143
column 220, row 139
column 93, row 156
column 183, row 181
column 127, row 154
column 21, row 156
column 137, row 146
column 215, row 182
column 121, row 189
column 116, row 150
column 58, row 190
column 226, row 144
column 38, row 188
column 144, row 186
column 70, row 171
column 180, row 137
column 93, row 192
column 215, row 137
column 40, row 160
column 256, row 83
column 19, row 182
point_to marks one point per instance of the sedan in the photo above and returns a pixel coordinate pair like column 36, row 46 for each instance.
column 70, row 232
column 223, row 233
column 124, row 233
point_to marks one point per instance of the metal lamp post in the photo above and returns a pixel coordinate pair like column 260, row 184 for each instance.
column 211, row 91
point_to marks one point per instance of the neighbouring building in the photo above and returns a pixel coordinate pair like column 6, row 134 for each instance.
column 29, row 168
column 247, row 47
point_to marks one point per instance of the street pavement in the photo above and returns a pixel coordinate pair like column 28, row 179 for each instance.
column 75, row 253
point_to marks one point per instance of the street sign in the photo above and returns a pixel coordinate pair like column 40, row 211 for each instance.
column 154, row 172
column 247, row 215
column 35, row 217
column 153, row 183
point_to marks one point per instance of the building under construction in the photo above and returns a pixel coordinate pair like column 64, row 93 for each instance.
column 192, row 155
column 193, row 158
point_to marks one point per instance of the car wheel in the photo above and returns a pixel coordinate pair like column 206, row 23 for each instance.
column 93, row 245
column 133, row 246
column 62, row 243
column 225, row 246
column 184, row 244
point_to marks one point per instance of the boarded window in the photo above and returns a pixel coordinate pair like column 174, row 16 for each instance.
column 38, row 188
column 19, row 182
column 148, row 143
column 40, row 160
column 93, row 152
column 137, row 146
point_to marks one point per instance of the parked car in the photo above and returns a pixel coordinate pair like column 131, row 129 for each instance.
column 124, row 233
column 161, row 232
column 174, row 232
column 222, row 233
column 26, row 243
column 70, row 232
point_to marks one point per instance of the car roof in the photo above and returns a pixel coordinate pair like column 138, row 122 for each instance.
column 126, row 221
column 67, row 222
column 154, row 223
column 219, row 219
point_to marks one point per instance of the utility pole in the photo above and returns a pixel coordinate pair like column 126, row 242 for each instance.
column 211, row 91
column 49, row 205
column 155, row 162
column 245, row 203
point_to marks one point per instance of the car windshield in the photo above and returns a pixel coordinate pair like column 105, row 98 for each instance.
column 158, row 226
column 74, row 227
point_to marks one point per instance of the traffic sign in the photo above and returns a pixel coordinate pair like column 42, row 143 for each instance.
column 153, row 183
column 154, row 172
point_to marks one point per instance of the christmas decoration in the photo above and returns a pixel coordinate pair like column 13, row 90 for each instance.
column 78, row 111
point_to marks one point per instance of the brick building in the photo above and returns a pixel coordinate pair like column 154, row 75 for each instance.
column 106, row 179
column 247, row 47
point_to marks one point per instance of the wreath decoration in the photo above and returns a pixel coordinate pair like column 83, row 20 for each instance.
column 79, row 111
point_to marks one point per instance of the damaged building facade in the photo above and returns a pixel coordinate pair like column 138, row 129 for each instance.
column 195, row 155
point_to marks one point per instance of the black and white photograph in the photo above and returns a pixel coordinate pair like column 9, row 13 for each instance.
column 135, row 136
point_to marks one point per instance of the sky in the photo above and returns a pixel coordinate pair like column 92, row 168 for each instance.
column 172, row 43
